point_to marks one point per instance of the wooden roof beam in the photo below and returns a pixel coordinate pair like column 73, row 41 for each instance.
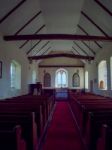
column 75, row 50
column 33, row 47
column 81, row 48
column 89, row 47
column 28, row 22
column 103, row 7
column 42, row 47
column 11, row 11
column 46, row 50
column 99, row 28
column 34, row 33
column 83, row 30
column 57, row 66
column 56, row 37
column 60, row 55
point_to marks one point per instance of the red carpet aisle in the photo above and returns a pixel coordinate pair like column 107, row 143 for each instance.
column 62, row 133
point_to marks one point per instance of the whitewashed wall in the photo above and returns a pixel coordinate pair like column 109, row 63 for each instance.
column 71, row 70
column 9, row 52
column 104, row 54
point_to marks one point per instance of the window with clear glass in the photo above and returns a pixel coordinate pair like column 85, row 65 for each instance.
column 86, row 80
column 15, row 73
column 61, row 79
column 34, row 76
column 102, row 75
column 111, row 71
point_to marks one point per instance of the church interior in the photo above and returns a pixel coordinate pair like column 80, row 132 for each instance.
column 55, row 74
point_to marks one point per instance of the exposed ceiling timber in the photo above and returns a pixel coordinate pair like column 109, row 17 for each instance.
column 42, row 47
column 103, row 7
column 75, row 50
column 80, row 48
column 55, row 66
column 56, row 37
column 89, row 48
column 98, row 27
column 60, row 55
column 46, row 50
column 84, row 31
column 28, row 22
column 33, row 47
column 11, row 11
column 34, row 33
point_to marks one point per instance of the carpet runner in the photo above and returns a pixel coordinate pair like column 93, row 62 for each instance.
column 62, row 133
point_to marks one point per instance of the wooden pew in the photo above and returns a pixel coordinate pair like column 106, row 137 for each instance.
column 12, row 139
column 93, row 127
column 86, row 107
column 27, row 123
column 46, row 102
column 105, row 140
column 25, row 104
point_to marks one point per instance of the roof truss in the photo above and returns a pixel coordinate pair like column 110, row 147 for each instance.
column 60, row 55
column 57, row 37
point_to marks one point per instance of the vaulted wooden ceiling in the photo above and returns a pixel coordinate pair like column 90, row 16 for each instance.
column 77, row 26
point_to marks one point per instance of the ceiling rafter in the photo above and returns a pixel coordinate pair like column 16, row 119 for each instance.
column 60, row 55
column 98, row 27
column 33, row 47
column 89, row 47
column 42, row 47
column 56, row 37
column 75, row 50
column 34, row 33
column 83, row 30
column 103, row 7
column 28, row 22
column 80, row 48
column 46, row 50
column 11, row 11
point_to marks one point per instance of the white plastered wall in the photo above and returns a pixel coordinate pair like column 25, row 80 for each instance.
column 103, row 54
column 70, row 70
column 9, row 52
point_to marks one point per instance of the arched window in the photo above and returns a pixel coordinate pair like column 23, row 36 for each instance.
column 33, row 76
column 15, row 72
column 47, row 80
column 111, row 70
column 61, row 79
column 76, row 80
column 86, row 80
column 102, row 75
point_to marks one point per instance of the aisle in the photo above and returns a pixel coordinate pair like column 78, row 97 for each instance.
column 62, row 133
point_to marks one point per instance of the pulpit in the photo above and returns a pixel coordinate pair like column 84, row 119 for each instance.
column 35, row 86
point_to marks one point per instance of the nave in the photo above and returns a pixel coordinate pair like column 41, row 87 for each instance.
column 39, row 122
column 62, row 132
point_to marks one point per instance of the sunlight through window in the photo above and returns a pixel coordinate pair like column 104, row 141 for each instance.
column 61, row 78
